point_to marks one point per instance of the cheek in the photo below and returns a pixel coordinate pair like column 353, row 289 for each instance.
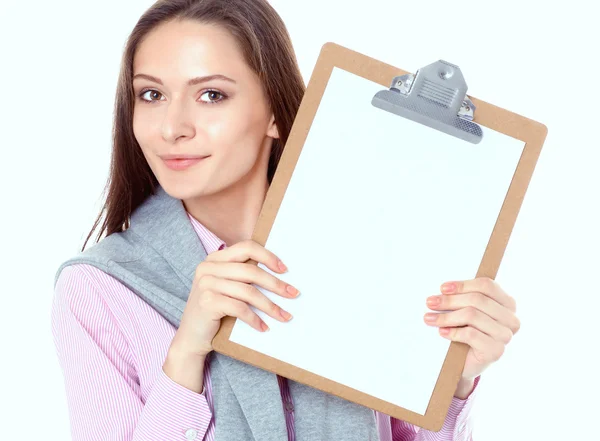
column 144, row 135
column 238, row 136
column 140, row 130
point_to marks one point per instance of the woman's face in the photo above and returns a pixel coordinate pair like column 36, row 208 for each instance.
column 222, row 115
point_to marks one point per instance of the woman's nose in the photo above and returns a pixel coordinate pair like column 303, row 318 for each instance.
column 178, row 121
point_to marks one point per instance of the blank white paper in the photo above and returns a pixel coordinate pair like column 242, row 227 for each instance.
column 380, row 211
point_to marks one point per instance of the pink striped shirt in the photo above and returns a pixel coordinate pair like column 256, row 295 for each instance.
column 111, row 346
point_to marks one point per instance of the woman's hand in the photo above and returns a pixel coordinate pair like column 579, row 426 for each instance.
column 481, row 315
column 223, row 286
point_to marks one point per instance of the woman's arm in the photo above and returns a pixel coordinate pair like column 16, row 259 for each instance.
column 102, row 389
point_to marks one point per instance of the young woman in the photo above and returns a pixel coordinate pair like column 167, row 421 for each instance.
column 206, row 98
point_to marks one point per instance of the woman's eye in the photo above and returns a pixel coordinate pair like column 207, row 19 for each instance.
column 213, row 96
column 153, row 94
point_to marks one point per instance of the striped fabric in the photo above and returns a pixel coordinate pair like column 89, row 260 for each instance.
column 111, row 346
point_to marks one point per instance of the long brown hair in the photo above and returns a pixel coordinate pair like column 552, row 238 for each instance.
column 267, row 49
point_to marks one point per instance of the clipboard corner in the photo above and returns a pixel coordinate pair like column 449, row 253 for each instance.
column 329, row 46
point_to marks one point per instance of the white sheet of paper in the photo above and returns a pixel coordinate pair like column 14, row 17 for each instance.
column 380, row 211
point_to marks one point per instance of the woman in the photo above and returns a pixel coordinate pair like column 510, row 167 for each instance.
column 206, row 98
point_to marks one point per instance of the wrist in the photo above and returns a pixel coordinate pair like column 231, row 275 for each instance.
column 185, row 369
column 179, row 351
column 464, row 388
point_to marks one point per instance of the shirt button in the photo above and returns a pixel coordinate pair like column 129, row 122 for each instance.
column 191, row 434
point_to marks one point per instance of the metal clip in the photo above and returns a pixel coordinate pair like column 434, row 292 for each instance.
column 435, row 96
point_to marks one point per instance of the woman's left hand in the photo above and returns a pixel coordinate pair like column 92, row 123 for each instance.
column 481, row 315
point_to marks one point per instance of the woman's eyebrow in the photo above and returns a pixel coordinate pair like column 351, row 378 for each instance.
column 191, row 82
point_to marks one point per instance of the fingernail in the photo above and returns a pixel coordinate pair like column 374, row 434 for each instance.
column 292, row 291
column 286, row 315
column 264, row 327
column 430, row 317
column 448, row 288
column 282, row 266
column 433, row 301
column 444, row 331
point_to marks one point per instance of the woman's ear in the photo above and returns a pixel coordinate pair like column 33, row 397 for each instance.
column 272, row 131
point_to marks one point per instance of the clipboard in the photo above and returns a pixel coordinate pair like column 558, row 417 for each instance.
column 434, row 98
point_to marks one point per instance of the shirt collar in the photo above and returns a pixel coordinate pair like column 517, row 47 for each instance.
column 209, row 240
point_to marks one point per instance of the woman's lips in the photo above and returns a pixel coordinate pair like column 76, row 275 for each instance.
column 182, row 164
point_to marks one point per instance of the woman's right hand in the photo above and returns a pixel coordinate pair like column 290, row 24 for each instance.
column 223, row 287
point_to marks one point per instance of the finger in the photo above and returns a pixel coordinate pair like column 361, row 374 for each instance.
column 247, row 273
column 471, row 316
column 479, row 301
column 484, row 285
column 488, row 349
column 246, row 293
column 227, row 306
column 248, row 250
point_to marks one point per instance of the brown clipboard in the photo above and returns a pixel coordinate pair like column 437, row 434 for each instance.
column 529, row 131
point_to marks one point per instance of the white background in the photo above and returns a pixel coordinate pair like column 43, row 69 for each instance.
column 58, row 72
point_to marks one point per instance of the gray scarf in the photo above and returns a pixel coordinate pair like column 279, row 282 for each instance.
column 156, row 257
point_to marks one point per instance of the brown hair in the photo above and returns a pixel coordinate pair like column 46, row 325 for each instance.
column 267, row 49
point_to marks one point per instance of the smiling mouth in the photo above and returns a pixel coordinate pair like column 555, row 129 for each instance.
column 182, row 163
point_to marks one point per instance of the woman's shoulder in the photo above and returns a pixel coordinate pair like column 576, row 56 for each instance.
column 79, row 283
column 81, row 277
column 88, row 270
column 77, row 280
column 86, row 290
